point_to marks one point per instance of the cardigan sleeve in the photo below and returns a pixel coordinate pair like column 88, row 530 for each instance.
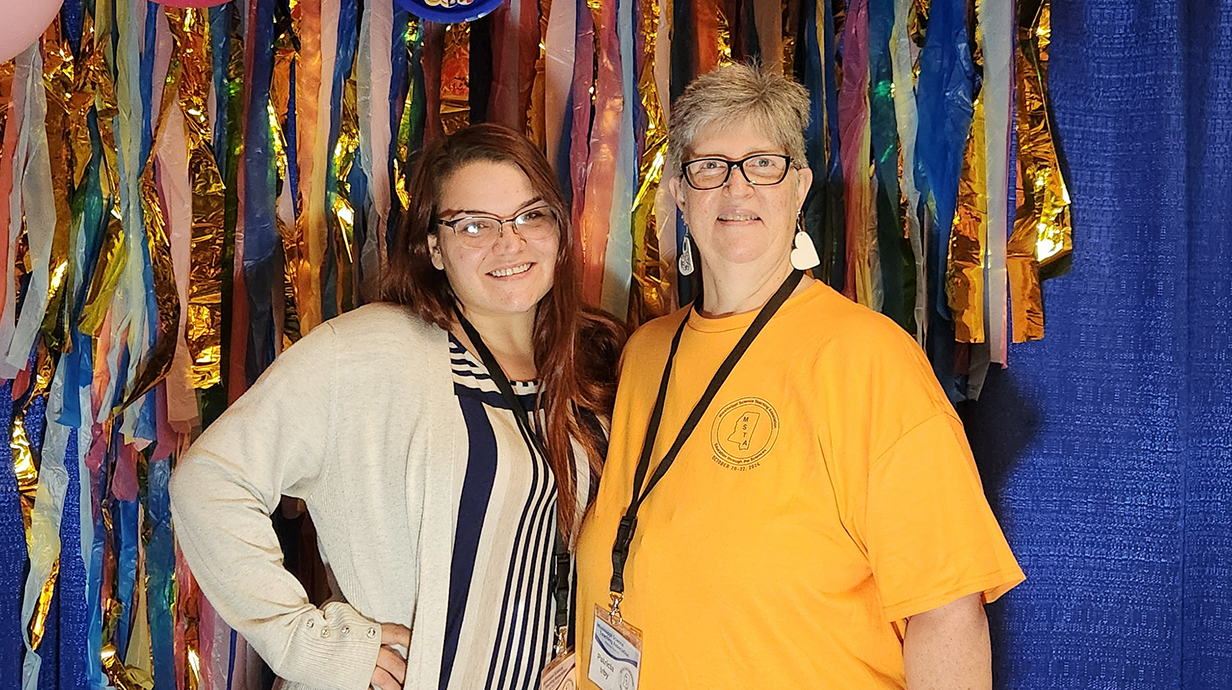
column 274, row 440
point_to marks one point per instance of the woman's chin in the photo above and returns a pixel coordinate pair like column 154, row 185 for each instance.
column 744, row 258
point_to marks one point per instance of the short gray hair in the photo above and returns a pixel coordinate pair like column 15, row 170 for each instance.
column 737, row 93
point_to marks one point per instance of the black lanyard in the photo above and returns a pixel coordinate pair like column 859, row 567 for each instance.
column 560, row 570
column 628, row 523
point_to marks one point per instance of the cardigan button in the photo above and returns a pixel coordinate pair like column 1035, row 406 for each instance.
column 310, row 623
column 371, row 632
column 346, row 630
column 325, row 632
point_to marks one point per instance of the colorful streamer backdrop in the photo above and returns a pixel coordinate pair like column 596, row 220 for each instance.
column 189, row 191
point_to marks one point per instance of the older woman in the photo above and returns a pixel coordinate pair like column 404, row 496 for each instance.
column 789, row 500
column 441, row 440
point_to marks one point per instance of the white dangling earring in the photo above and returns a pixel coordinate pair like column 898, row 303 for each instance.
column 684, row 262
column 803, row 252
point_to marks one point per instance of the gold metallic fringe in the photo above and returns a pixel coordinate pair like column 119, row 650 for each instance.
column 1054, row 232
column 342, row 212
column 1043, row 233
column 26, row 468
column 723, row 35
column 121, row 676
column 59, row 83
column 191, row 27
column 536, row 116
column 24, row 462
column 38, row 624
column 106, row 273
column 158, row 242
column 651, row 275
column 401, row 177
column 969, row 237
column 455, row 78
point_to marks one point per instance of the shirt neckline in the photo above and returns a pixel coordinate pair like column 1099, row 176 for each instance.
column 472, row 361
column 721, row 324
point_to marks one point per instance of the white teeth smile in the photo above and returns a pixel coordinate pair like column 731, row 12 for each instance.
column 738, row 217
column 512, row 270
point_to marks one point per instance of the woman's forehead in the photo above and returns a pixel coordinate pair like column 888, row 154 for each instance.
column 732, row 139
column 489, row 186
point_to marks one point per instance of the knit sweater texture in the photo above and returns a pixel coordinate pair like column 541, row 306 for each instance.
column 358, row 420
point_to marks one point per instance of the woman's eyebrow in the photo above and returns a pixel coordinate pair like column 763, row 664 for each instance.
column 699, row 156
column 478, row 212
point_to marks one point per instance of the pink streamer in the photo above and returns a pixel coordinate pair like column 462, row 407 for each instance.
column 175, row 195
column 8, row 249
column 375, row 53
column 559, row 49
column 604, row 144
column 853, row 118
column 583, row 79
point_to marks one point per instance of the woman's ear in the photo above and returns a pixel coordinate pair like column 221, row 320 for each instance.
column 434, row 251
column 673, row 188
column 804, row 183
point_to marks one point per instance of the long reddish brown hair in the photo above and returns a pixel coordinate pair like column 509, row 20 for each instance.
column 576, row 348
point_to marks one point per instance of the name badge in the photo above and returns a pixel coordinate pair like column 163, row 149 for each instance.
column 615, row 653
column 561, row 674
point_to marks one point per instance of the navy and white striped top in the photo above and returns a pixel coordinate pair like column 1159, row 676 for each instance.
column 499, row 630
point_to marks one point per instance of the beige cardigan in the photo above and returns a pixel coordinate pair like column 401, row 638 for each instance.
column 358, row 420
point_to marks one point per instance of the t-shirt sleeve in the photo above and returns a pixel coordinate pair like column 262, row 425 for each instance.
column 930, row 534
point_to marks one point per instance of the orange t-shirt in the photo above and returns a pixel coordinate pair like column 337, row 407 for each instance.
column 827, row 494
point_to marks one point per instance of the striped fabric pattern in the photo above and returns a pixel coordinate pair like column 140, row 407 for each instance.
column 499, row 628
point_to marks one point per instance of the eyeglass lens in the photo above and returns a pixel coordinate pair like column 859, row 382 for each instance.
column 532, row 224
column 711, row 173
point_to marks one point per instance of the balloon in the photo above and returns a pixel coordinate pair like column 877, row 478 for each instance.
column 24, row 21
column 449, row 11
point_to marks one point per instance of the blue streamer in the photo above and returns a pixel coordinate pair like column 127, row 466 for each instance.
column 160, row 575
column 945, row 108
column 823, row 208
column 89, row 229
column 260, row 197
column 399, row 84
column 145, row 427
column 220, row 51
column 291, row 133
column 398, row 73
column 348, row 34
column 71, row 608
column 125, row 537
column 71, row 21
column 13, row 565
column 94, row 582
column 149, row 45
column 419, row 95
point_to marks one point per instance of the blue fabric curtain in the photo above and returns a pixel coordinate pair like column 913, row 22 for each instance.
column 1106, row 448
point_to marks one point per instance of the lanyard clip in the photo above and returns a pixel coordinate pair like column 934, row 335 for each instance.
column 617, row 598
column 562, row 641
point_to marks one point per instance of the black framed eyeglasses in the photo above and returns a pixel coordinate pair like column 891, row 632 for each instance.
column 761, row 169
column 481, row 230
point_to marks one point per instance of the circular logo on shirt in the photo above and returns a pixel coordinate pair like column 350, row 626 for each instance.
column 743, row 432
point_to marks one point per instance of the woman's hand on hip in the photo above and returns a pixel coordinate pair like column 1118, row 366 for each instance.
column 390, row 671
